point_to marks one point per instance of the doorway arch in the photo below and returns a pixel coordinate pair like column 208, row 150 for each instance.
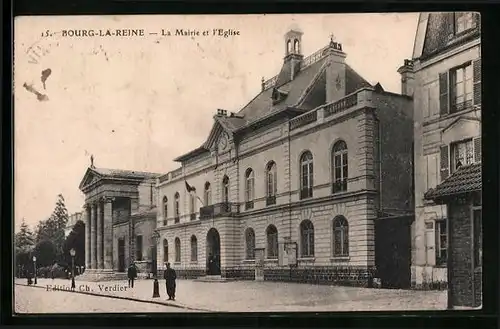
column 213, row 252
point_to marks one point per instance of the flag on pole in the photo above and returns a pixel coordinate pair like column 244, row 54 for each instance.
column 192, row 190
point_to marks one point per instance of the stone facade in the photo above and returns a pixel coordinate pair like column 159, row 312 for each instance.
column 441, row 47
column 118, row 204
column 236, row 162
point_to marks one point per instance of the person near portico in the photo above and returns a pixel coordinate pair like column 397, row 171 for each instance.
column 169, row 275
column 132, row 274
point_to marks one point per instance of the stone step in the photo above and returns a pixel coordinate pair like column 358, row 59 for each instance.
column 213, row 278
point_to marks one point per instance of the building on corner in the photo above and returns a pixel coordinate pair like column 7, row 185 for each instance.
column 294, row 185
column 446, row 244
column 72, row 219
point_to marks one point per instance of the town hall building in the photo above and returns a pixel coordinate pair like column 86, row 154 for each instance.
column 303, row 184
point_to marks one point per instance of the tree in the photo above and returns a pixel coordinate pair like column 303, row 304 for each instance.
column 24, row 242
column 45, row 252
column 76, row 240
column 24, row 239
column 52, row 229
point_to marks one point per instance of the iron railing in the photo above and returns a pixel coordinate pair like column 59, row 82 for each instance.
column 306, row 192
column 223, row 209
column 270, row 200
column 339, row 186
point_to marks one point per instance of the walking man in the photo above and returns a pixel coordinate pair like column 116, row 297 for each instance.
column 170, row 276
column 132, row 274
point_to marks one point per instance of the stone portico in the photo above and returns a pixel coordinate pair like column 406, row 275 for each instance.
column 112, row 197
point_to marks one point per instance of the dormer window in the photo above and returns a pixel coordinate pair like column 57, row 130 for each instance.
column 278, row 96
column 464, row 22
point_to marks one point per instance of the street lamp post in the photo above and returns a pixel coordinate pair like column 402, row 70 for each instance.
column 72, row 252
column 34, row 267
column 154, row 263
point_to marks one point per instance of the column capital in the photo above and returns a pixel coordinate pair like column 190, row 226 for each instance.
column 107, row 199
column 87, row 205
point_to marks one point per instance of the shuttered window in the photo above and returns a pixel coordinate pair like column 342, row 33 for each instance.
column 443, row 93
column 477, row 81
column 445, row 162
column 477, row 149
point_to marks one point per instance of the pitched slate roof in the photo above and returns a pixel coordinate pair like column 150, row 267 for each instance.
column 120, row 173
column 465, row 179
column 261, row 106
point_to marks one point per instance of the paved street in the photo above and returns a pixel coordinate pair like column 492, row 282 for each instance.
column 252, row 296
column 36, row 300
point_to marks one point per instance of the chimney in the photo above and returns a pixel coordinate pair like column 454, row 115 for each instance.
column 221, row 112
column 263, row 84
column 335, row 72
column 407, row 78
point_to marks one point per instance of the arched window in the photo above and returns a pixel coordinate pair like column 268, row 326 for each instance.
column 296, row 46
column 250, row 243
column 272, row 242
column 339, row 170
column 306, row 175
column 272, row 183
column 192, row 206
column 340, row 236
column 177, row 206
column 165, row 251
column 177, row 250
column 306, row 239
column 165, row 210
column 289, row 47
column 225, row 189
column 194, row 249
column 207, row 196
column 249, row 188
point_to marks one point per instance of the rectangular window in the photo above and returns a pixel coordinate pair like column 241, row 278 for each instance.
column 441, row 242
column 462, row 154
column 461, row 85
column 138, row 247
column 478, row 238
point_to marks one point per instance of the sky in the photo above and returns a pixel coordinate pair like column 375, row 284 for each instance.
column 138, row 102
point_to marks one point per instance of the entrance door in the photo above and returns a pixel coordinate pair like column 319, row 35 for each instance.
column 121, row 255
column 213, row 252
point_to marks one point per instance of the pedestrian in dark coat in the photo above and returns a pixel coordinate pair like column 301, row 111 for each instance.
column 170, row 276
column 132, row 274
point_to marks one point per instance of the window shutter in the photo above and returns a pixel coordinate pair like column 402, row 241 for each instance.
column 445, row 162
column 477, row 81
column 477, row 149
column 443, row 93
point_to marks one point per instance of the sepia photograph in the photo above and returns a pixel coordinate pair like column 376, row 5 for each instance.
column 247, row 163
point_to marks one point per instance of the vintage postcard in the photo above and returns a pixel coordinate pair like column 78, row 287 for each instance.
column 247, row 163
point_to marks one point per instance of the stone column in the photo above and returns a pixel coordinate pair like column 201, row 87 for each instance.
column 93, row 237
column 87, row 237
column 108, row 233
column 100, row 258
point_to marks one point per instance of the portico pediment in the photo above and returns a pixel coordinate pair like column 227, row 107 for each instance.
column 219, row 136
column 460, row 129
column 91, row 177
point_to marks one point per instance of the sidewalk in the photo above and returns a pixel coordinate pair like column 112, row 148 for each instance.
column 252, row 296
